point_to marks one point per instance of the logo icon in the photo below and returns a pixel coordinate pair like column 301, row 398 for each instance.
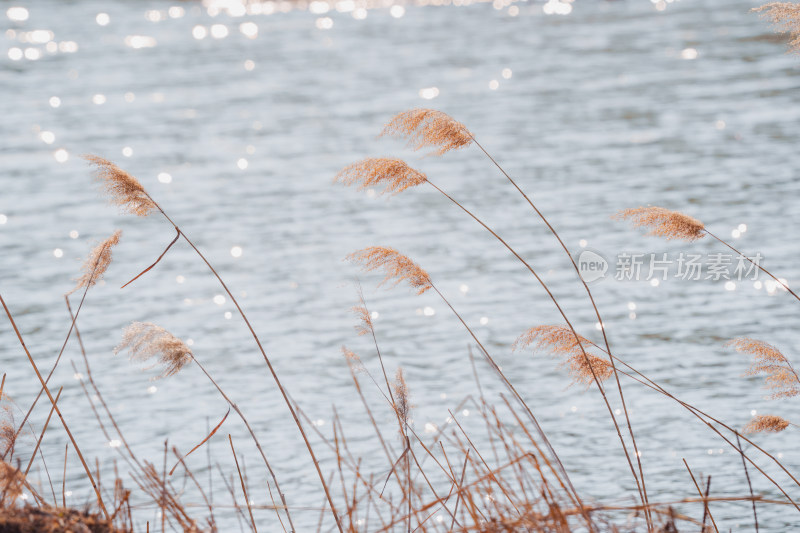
column 592, row 266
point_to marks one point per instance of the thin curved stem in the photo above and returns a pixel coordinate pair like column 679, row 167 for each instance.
column 596, row 312
column 266, row 360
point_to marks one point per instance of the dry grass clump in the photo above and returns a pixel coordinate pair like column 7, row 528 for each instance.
column 664, row 223
column 396, row 265
column 394, row 175
column 781, row 376
column 8, row 432
column 145, row 340
column 560, row 340
column 786, row 18
column 768, row 423
column 121, row 188
column 12, row 481
column 96, row 263
column 49, row 519
column 431, row 128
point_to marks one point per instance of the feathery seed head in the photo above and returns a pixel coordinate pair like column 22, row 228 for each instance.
column 560, row 340
column 11, row 484
column 786, row 18
column 364, row 325
column 353, row 360
column 428, row 127
column 144, row 340
column 8, row 433
column 664, row 223
column 97, row 262
column 781, row 377
column 121, row 188
column 395, row 264
column 769, row 423
column 394, row 175
column 402, row 401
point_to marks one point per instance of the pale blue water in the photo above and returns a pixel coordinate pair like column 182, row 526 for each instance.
column 618, row 104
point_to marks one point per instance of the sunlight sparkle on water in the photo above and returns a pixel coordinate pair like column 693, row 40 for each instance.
column 554, row 7
column 318, row 7
column 494, row 84
column 179, row 279
column 484, row 320
column 730, row 286
column 219, row 31
column 99, row 99
column 37, row 36
column 199, row 32
column 506, row 73
column 74, row 234
column 3, row 219
column 397, row 11
column 102, row 19
column 219, row 299
column 127, row 151
column 17, row 14
column 176, row 12
column 236, row 251
column 428, row 311
column 164, row 177
column 47, row 137
column 324, row 23
column 689, row 53
column 429, row 93
column 58, row 253
column 68, row 47
column 33, row 54
column 249, row 29
column 242, row 163
column 15, row 54
column 115, row 443
column 140, row 41
column 61, row 155
column 360, row 13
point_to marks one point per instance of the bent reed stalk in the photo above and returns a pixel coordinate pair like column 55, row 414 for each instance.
column 429, row 127
column 390, row 173
column 125, row 191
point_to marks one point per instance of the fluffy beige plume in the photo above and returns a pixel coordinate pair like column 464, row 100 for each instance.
column 560, row 340
column 144, row 340
column 393, row 175
column 428, row 127
column 364, row 325
column 353, row 360
column 121, row 188
column 96, row 263
column 401, row 397
column 664, row 223
column 786, row 18
column 768, row 423
column 396, row 265
column 768, row 360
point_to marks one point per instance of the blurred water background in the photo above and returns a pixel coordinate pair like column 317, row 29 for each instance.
column 236, row 119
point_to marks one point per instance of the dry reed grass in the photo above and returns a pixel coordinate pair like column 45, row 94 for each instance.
column 429, row 128
column 768, row 423
column 121, row 188
column 786, row 18
column 664, row 223
column 397, row 266
column 780, row 375
column 96, row 263
column 145, row 340
column 393, row 175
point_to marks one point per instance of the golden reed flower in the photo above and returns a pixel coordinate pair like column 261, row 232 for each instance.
column 786, row 18
column 428, row 127
column 364, row 325
column 122, row 189
column 768, row 360
column 394, row 175
column 560, row 340
column 395, row 264
column 664, row 223
column 96, row 263
column 769, row 423
column 144, row 340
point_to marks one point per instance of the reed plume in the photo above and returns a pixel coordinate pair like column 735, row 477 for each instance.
column 402, row 402
column 395, row 264
column 394, row 175
column 560, row 340
column 768, row 423
column 664, row 223
column 353, row 360
column 364, row 325
column 785, row 16
column 121, row 188
column 144, row 340
column 8, row 433
column 429, row 128
column 96, row 263
column 781, row 376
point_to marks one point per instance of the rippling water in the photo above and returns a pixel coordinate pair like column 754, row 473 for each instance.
column 236, row 123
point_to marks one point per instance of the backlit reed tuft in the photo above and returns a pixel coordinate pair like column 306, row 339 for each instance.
column 766, row 423
column 97, row 262
column 121, row 188
column 786, row 18
column 353, row 360
column 664, row 223
column 429, row 128
column 8, row 433
column 393, row 175
column 364, row 325
column 144, row 340
column 560, row 340
column 768, row 360
column 396, row 266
